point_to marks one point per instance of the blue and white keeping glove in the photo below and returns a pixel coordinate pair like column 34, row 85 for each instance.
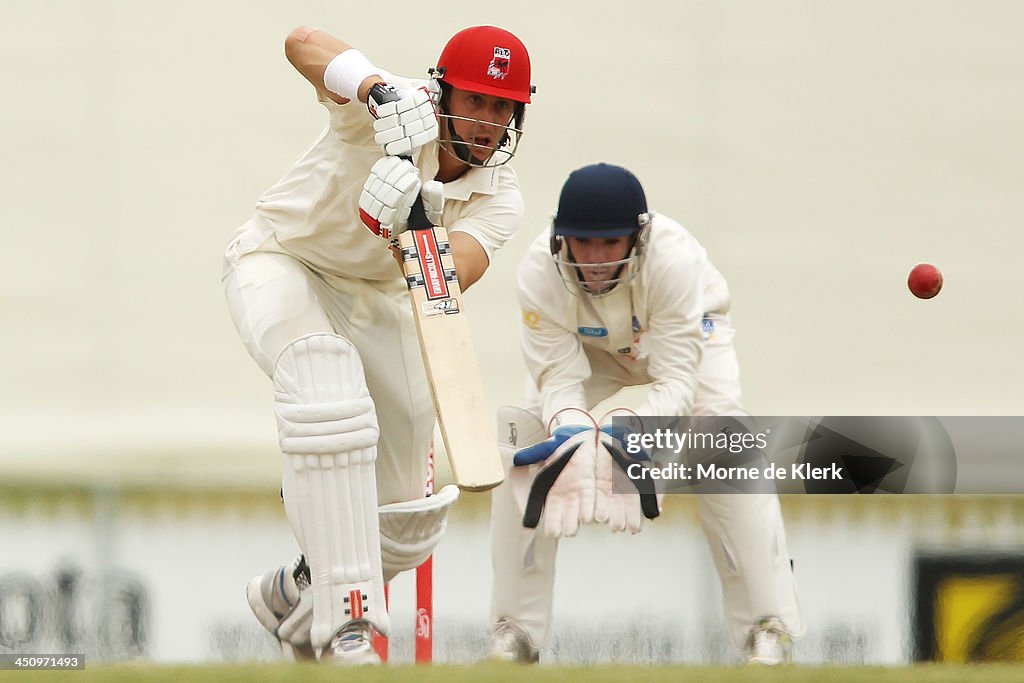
column 564, row 487
column 623, row 510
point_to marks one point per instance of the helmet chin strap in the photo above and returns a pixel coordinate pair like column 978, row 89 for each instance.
column 459, row 145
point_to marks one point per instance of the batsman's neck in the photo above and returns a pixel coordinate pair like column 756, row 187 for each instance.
column 449, row 168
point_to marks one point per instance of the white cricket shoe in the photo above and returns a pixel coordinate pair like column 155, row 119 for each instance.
column 769, row 643
column 511, row 643
column 274, row 598
column 352, row 645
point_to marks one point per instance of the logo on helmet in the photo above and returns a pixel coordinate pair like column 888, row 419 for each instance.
column 498, row 68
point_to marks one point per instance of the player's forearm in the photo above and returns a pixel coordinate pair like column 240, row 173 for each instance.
column 471, row 260
column 310, row 50
column 670, row 398
column 559, row 367
column 673, row 363
column 563, row 401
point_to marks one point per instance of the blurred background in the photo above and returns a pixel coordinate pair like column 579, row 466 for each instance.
column 818, row 151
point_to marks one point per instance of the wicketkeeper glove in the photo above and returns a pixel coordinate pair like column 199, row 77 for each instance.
column 623, row 510
column 406, row 119
column 564, row 488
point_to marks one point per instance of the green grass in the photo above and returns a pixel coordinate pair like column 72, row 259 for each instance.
column 312, row 673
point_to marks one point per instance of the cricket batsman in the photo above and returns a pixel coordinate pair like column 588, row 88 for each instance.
column 322, row 307
column 616, row 296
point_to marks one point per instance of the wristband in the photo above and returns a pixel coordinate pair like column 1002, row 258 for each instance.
column 346, row 72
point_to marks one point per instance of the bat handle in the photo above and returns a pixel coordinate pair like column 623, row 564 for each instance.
column 418, row 215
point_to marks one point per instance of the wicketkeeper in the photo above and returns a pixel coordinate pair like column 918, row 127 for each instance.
column 616, row 296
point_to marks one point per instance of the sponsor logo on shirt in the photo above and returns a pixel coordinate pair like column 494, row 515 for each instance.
column 592, row 331
column 707, row 328
column 634, row 352
column 530, row 319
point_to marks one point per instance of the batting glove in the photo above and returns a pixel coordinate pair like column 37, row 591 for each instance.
column 433, row 201
column 405, row 118
column 563, row 488
column 388, row 195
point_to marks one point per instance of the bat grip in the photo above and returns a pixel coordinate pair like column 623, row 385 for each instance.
column 417, row 215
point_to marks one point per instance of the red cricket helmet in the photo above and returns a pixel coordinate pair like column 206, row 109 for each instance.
column 487, row 60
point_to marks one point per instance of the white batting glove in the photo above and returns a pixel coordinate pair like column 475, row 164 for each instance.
column 405, row 118
column 388, row 195
column 433, row 201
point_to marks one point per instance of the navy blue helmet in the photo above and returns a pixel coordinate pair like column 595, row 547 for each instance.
column 600, row 201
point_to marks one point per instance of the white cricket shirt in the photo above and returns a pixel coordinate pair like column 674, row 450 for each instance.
column 312, row 212
column 646, row 332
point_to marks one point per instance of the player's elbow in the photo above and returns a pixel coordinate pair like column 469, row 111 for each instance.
column 295, row 42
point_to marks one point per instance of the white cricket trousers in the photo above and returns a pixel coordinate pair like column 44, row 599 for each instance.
column 275, row 299
column 744, row 531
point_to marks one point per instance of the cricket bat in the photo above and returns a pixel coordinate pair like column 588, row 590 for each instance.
column 452, row 369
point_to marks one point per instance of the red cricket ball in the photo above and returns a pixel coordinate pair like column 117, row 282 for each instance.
column 925, row 281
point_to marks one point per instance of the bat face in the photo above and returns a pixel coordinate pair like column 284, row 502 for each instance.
column 426, row 272
column 452, row 370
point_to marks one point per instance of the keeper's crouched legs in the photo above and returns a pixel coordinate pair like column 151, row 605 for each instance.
column 748, row 545
column 328, row 433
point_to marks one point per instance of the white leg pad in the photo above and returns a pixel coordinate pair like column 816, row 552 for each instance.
column 328, row 432
column 748, row 545
column 409, row 531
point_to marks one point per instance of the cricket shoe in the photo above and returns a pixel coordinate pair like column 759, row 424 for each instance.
column 283, row 606
column 352, row 645
column 511, row 643
column 769, row 643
